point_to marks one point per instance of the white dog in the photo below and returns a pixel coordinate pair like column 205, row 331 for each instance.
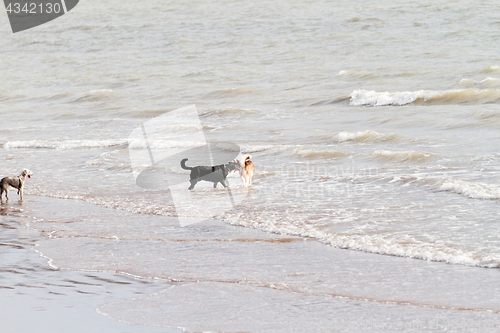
column 15, row 182
column 246, row 169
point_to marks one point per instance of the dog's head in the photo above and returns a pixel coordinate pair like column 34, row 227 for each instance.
column 232, row 166
column 27, row 173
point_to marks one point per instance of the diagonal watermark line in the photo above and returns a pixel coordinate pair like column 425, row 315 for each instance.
column 147, row 143
column 64, row 6
column 230, row 194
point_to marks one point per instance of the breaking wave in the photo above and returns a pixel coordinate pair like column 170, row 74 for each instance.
column 400, row 245
column 355, row 74
column 63, row 144
column 364, row 136
column 474, row 190
column 402, row 156
column 95, row 95
column 491, row 69
column 314, row 154
column 164, row 144
column 457, row 96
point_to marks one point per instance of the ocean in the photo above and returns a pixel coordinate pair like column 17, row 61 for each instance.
column 373, row 127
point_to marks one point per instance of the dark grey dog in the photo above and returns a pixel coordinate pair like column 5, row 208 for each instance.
column 215, row 174
column 15, row 182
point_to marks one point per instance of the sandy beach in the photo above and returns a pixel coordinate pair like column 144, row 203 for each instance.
column 269, row 276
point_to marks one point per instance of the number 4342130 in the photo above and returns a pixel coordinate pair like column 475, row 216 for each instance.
column 33, row 8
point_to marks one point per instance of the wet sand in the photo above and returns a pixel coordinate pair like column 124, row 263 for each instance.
column 216, row 278
column 37, row 298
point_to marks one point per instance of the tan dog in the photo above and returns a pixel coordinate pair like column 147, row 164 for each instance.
column 15, row 182
column 246, row 169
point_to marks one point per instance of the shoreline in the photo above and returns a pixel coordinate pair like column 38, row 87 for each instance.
column 220, row 259
column 56, row 300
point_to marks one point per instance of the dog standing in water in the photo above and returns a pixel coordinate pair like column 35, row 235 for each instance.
column 246, row 169
column 215, row 174
column 15, row 182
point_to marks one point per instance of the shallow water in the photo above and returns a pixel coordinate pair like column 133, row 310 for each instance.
column 373, row 128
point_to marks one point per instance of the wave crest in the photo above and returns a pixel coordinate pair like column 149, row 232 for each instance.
column 474, row 190
column 309, row 153
column 364, row 136
column 355, row 74
column 402, row 156
column 491, row 69
column 374, row 98
column 63, row 144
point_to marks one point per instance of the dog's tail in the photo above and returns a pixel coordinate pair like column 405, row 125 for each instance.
column 243, row 159
column 183, row 165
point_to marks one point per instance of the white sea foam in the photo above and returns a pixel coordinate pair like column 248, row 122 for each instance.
column 471, row 189
column 63, row 144
column 374, row 98
column 491, row 69
column 467, row 82
column 101, row 92
column 390, row 244
column 490, row 81
column 164, row 144
column 363, row 136
column 475, row 190
column 409, row 155
column 318, row 153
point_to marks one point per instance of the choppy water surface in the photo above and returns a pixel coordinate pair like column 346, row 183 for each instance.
column 374, row 127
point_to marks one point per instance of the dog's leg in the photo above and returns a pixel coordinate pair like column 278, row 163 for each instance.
column 193, row 183
column 6, row 193
column 215, row 184
column 21, row 193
